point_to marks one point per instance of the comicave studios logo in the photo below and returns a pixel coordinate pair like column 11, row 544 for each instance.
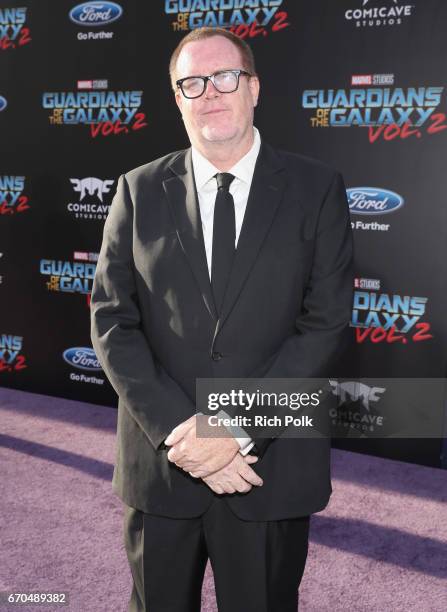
column 356, row 401
column 374, row 13
column 91, row 192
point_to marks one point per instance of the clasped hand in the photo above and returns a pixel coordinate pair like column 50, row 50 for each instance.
column 214, row 459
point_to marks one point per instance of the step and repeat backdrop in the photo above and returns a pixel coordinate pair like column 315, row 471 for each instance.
column 358, row 84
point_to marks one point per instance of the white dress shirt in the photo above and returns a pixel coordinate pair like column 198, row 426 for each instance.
column 206, row 185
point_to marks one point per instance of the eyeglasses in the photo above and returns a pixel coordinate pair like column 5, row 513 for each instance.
column 225, row 81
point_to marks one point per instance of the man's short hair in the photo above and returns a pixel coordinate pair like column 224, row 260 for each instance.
column 248, row 60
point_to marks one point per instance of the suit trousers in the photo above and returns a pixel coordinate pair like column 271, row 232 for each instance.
column 257, row 565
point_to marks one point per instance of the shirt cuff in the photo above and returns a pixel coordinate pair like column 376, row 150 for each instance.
column 244, row 450
column 240, row 435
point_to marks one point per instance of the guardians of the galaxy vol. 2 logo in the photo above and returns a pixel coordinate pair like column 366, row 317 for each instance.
column 13, row 32
column 104, row 111
column 387, row 317
column 11, row 353
column 12, row 198
column 245, row 18
column 373, row 102
column 70, row 276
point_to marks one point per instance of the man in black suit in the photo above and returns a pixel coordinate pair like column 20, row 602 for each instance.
column 227, row 259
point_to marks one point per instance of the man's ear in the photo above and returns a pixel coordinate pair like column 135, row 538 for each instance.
column 254, row 89
column 178, row 99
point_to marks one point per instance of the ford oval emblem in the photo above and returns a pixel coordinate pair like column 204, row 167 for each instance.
column 373, row 200
column 95, row 13
column 3, row 103
column 82, row 357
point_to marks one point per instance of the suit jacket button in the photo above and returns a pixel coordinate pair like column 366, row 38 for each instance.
column 216, row 356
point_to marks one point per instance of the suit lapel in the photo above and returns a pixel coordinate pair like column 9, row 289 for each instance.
column 266, row 191
column 265, row 195
column 181, row 193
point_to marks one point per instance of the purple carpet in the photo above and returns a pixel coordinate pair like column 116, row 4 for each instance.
column 381, row 545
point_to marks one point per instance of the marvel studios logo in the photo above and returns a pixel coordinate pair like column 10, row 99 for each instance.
column 372, row 79
column 83, row 256
column 96, row 84
column 367, row 283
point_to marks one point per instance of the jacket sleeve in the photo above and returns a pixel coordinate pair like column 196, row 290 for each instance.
column 155, row 401
column 322, row 325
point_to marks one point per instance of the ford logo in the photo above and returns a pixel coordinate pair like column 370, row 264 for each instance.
column 3, row 103
column 83, row 358
column 373, row 201
column 95, row 13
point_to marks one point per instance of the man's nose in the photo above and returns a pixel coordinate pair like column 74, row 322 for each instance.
column 210, row 90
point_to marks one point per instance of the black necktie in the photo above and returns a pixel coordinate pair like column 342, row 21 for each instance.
column 224, row 236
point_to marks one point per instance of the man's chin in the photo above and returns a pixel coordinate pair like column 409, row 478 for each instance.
column 214, row 134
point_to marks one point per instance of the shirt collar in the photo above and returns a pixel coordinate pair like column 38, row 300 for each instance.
column 204, row 170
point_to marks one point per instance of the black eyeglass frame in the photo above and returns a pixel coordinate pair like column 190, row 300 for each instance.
column 211, row 77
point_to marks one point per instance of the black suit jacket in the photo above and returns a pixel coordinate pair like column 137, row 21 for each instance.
column 285, row 314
